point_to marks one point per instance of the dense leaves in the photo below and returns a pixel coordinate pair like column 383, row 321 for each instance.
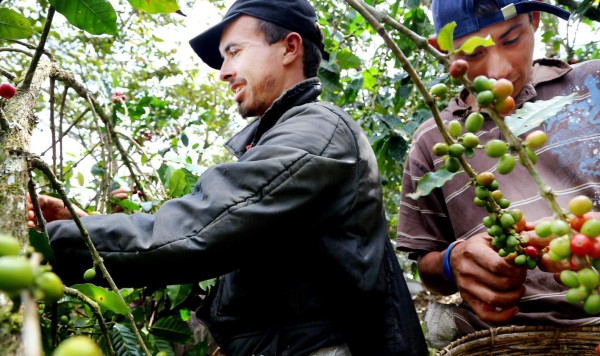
column 171, row 115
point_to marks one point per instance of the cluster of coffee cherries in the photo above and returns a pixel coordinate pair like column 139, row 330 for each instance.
column 503, row 224
column 578, row 241
column 17, row 274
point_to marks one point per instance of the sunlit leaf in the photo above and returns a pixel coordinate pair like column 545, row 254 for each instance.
column 80, row 179
column 347, row 59
column 94, row 16
column 472, row 43
column 532, row 115
column 107, row 300
column 155, row 6
column 14, row 26
column 445, row 38
column 430, row 181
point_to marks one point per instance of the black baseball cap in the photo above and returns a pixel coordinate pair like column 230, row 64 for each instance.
column 295, row 15
column 463, row 12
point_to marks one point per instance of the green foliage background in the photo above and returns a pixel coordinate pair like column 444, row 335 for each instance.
column 175, row 114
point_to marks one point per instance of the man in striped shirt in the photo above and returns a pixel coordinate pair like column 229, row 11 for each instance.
column 494, row 291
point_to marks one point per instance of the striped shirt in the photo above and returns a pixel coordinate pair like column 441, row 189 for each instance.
column 569, row 163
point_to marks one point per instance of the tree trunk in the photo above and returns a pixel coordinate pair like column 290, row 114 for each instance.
column 14, row 146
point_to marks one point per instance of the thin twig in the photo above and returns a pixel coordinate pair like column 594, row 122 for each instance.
column 38, row 52
column 41, row 221
column 66, row 132
column 30, row 46
column 61, row 117
column 161, row 186
column 7, row 74
column 68, row 79
column 103, row 196
column 52, row 124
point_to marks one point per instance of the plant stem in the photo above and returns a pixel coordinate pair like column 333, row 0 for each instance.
column 36, row 162
column 39, row 51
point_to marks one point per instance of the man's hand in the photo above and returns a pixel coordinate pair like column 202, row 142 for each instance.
column 52, row 209
column 491, row 285
column 121, row 194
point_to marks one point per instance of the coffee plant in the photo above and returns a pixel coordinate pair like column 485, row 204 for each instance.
column 574, row 236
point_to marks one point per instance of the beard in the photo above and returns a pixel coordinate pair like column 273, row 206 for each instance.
column 260, row 97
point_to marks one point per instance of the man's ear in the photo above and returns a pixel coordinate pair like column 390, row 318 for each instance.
column 535, row 19
column 293, row 47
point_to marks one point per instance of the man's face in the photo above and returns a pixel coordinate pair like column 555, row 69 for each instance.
column 252, row 67
column 510, row 58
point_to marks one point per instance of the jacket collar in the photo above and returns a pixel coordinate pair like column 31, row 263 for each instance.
column 544, row 70
column 304, row 92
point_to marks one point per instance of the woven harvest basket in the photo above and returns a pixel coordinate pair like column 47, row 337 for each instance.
column 526, row 340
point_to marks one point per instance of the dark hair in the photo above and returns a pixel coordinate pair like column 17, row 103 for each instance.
column 485, row 8
column 312, row 56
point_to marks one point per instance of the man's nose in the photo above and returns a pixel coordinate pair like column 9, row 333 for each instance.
column 498, row 66
column 226, row 72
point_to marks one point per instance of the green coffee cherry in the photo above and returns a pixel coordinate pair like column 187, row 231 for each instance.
column 454, row 128
column 474, row 122
column 470, row 140
column 456, row 150
column 440, row 149
column 506, row 163
column 439, row 90
column 495, row 148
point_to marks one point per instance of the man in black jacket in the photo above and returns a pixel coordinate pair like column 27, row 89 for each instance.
column 295, row 228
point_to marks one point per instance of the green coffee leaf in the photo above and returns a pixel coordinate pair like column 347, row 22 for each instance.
column 173, row 329
column 470, row 45
column 347, row 60
column 430, row 181
column 14, row 26
column 178, row 294
column 532, row 115
column 177, row 183
column 41, row 244
column 124, row 340
column 445, row 38
column 107, row 300
column 94, row 16
column 155, row 6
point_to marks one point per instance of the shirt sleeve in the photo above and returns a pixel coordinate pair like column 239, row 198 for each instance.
column 423, row 224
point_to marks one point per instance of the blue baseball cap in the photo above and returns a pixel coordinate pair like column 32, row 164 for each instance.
column 295, row 15
column 467, row 21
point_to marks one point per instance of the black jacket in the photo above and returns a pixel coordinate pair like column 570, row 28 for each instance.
column 295, row 228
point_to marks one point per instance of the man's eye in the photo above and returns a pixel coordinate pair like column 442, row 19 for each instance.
column 473, row 55
column 512, row 41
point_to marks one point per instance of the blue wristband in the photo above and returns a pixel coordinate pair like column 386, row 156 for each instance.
column 446, row 268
